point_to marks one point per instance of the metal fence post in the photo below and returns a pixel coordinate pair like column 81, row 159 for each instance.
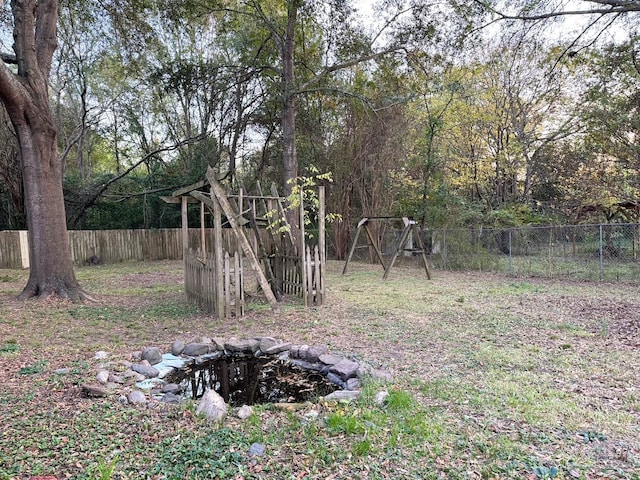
column 601, row 253
column 510, row 253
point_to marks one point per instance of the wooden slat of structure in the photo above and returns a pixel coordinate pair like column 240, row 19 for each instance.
column 227, row 284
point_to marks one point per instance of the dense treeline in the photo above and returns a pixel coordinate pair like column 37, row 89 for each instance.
column 414, row 112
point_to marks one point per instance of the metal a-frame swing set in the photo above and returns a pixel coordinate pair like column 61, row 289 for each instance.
column 410, row 227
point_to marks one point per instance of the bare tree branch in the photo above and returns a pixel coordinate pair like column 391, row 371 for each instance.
column 614, row 7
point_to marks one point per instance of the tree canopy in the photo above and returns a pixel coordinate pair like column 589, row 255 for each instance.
column 457, row 113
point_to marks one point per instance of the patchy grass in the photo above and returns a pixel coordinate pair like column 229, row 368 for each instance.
column 493, row 377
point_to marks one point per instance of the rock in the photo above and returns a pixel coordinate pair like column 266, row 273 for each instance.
column 203, row 340
column 303, row 352
column 136, row 397
column 313, row 354
column 353, row 384
column 345, row 369
column 244, row 412
column 207, row 357
column 256, row 450
column 149, row 384
column 116, row 378
column 177, row 347
column 103, row 377
column 330, row 359
column 171, row 388
column 143, row 369
column 336, row 380
column 218, row 343
column 95, row 390
column 312, row 415
column 381, row 398
column 152, row 355
column 315, row 367
column 278, row 348
column 123, row 400
column 130, row 376
column 101, row 355
column 343, row 396
column 63, row 371
column 212, row 406
column 266, row 343
column 243, row 346
column 196, row 349
column 171, row 398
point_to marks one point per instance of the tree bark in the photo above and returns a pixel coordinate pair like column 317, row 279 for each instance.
column 25, row 95
column 289, row 154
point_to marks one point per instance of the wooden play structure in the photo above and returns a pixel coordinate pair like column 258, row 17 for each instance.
column 254, row 235
column 410, row 230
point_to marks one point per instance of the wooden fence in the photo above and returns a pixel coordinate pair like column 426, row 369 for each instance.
column 201, row 280
column 114, row 246
column 306, row 282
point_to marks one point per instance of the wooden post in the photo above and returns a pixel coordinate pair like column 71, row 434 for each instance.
column 185, row 231
column 303, row 263
column 202, row 230
column 219, row 258
column 322, row 245
column 403, row 240
column 227, row 284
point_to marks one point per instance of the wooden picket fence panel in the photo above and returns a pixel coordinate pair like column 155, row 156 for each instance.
column 201, row 282
column 115, row 246
column 307, row 282
column 314, row 279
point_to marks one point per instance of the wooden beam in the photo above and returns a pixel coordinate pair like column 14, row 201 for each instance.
column 178, row 199
column 189, row 188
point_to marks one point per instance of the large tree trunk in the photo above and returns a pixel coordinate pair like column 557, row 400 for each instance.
column 51, row 270
column 289, row 155
column 26, row 98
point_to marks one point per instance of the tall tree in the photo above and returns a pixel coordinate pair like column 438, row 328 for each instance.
column 25, row 94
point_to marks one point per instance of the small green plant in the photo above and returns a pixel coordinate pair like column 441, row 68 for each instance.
column 344, row 422
column 545, row 472
column 590, row 436
column 103, row 470
column 399, row 401
column 36, row 368
column 9, row 347
column 362, row 448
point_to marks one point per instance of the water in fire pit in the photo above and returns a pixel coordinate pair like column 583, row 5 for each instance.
column 248, row 380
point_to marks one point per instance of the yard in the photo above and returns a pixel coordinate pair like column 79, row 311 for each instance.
column 491, row 377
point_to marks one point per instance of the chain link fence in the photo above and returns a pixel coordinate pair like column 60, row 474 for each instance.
column 588, row 252
column 592, row 252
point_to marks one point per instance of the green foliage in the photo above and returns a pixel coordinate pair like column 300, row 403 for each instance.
column 400, row 401
column 341, row 421
column 34, row 369
column 103, row 470
column 10, row 346
column 213, row 455
column 514, row 215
